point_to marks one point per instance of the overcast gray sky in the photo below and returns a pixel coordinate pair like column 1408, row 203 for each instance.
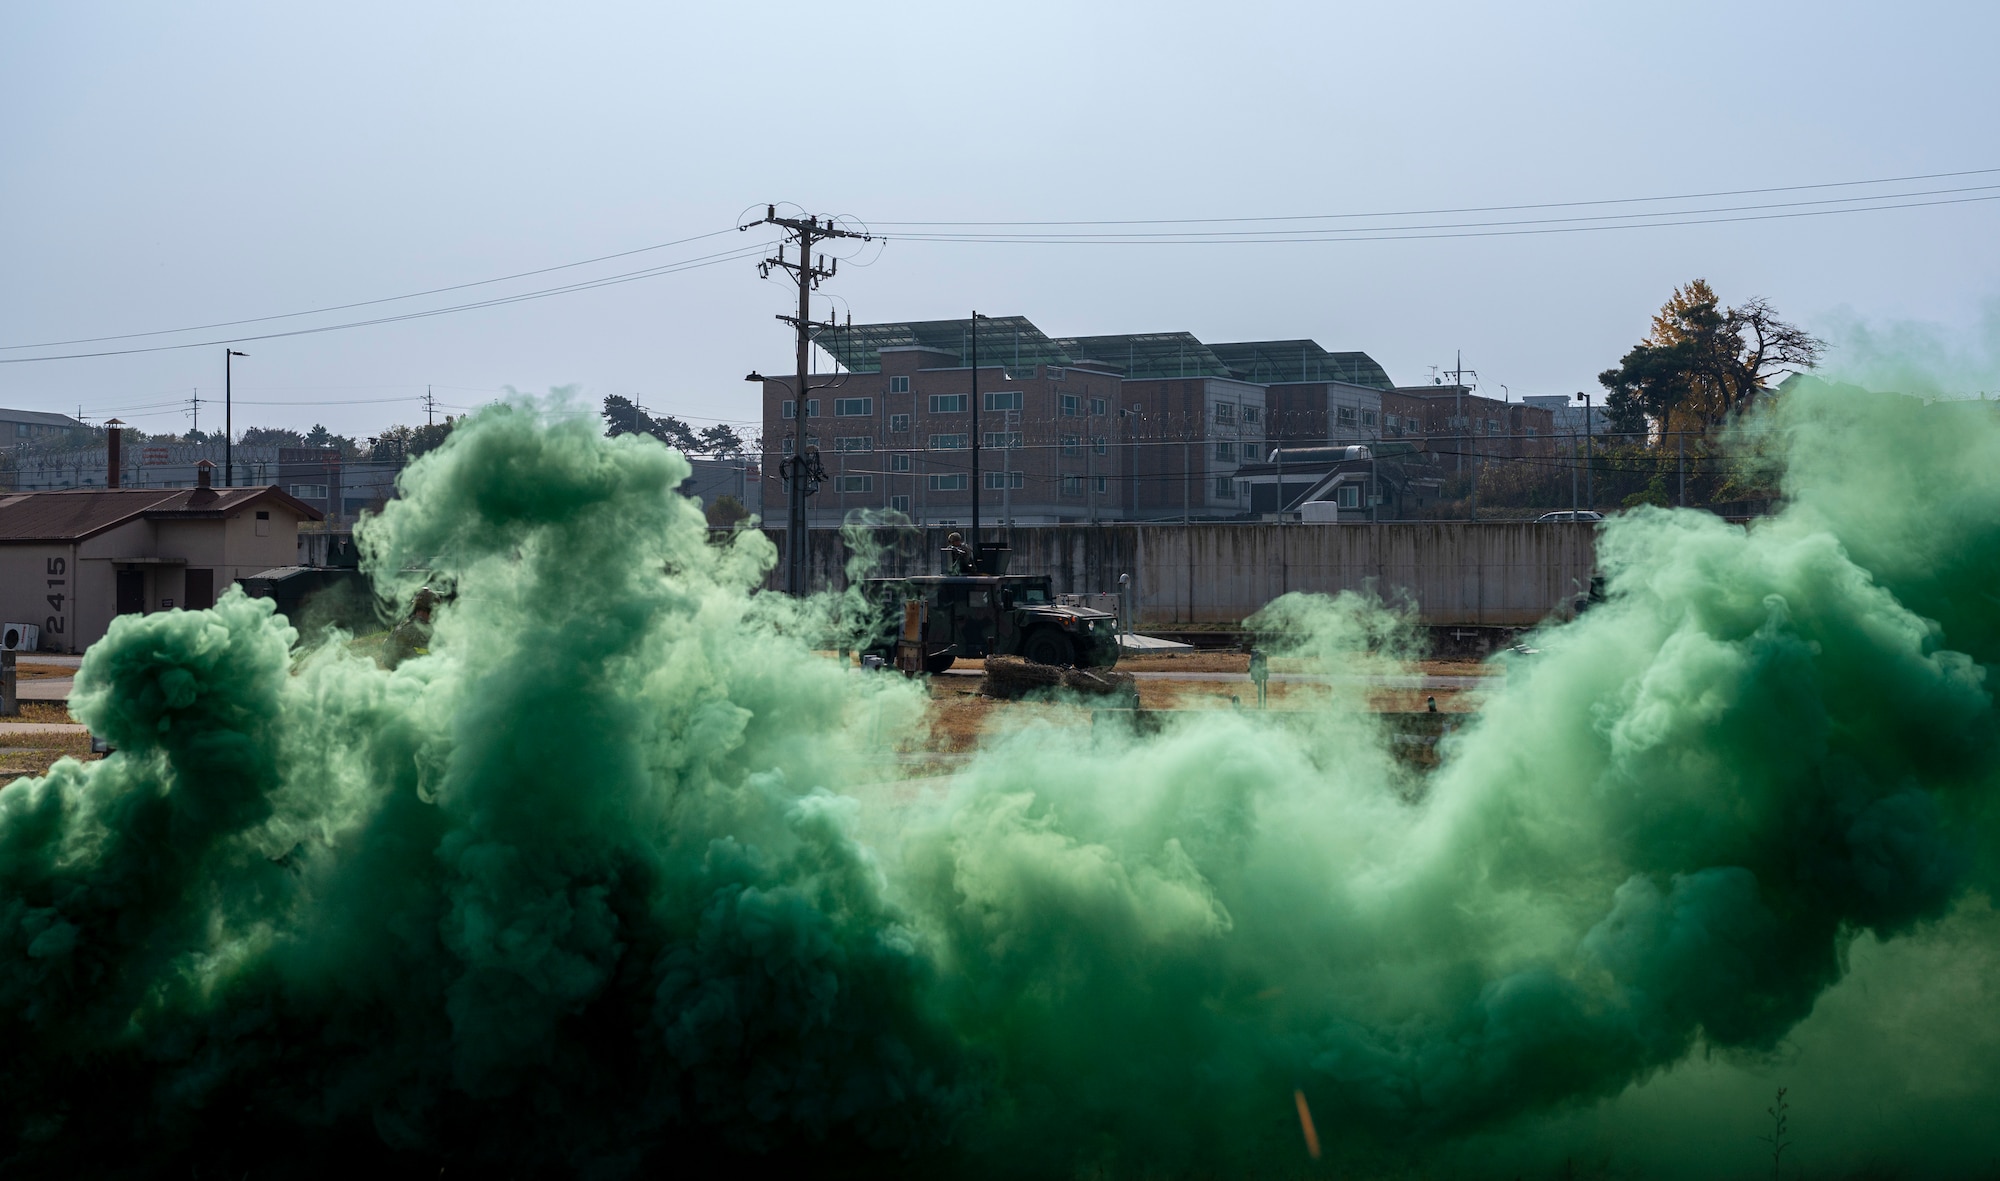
column 172, row 165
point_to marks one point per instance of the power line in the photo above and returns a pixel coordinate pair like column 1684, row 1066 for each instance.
column 1415, row 232
column 1471, row 208
column 53, row 344
column 695, row 263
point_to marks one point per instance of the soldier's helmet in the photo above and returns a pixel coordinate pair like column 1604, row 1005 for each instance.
column 426, row 599
column 954, row 539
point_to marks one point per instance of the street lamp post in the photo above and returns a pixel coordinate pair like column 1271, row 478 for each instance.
column 976, row 318
column 228, row 420
column 1589, row 460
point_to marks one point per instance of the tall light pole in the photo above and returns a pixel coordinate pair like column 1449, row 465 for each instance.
column 228, row 421
column 976, row 318
column 1589, row 459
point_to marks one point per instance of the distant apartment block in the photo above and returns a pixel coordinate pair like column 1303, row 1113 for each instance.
column 1134, row 426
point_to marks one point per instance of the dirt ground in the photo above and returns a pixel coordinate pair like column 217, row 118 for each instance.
column 25, row 671
column 32, row 753
column 1239, row 662
column 961, row 713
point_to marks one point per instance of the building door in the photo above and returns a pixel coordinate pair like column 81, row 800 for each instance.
column 200, row 590
column 131, row 592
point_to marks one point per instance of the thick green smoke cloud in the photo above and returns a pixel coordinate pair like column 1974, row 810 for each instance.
column 616, row 877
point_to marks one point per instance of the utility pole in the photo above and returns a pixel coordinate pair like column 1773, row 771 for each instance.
column 228, row 420
column 801, row 470
column 430, row 408
column 195, row 401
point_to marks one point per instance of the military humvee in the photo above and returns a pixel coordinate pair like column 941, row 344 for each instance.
column 978, row 615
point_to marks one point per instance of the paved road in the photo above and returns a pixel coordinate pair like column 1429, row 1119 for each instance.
column 10, row 727
column 45, row 689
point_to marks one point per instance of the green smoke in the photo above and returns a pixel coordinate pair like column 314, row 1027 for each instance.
column 621, row 876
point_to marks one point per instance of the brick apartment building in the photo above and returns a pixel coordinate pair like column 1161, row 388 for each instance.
column 896, row 431
column 1138, row 426
column 1314, row 397
column 1455, row 423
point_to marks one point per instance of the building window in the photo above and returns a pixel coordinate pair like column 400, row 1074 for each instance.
column 1252, row 415
column 1072, row 444
column 1003, row 400
column 854, row 443
column 948, row 442
column 1226, row 452
column 899, row 462
column 857, row 483
column 1001, row 440
column 1532, row 432
column 812, row 407
column 1055, row 373
column 853, row 407
column 21, row 429
column 997, row 481
column 309, row 491
column 1350, row 495
column 1394, row 423
column 1347, row 416
column 1492, row 426
column 900, row 503
column 1072, row 485
column 955, row 482
column 899, row 424
column 1225, row 412
column 1099, row 408
column 1099, row 481
column 899, row 385
column 1367, row 418
column 949, row 403
column 1225, row 488
column 790, row 409
column 1100, row 446
column 1071, row 406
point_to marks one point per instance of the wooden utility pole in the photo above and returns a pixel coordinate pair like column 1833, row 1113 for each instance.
column 801, row 470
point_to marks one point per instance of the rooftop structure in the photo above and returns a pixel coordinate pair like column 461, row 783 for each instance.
column 1146, row 356
column 20, row 426
column 1274, row 362
column 1009, row 341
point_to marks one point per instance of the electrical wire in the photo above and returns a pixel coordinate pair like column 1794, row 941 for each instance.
column 1472, row 208
column 1418, row 232
column 585, row 285
column 343, row 307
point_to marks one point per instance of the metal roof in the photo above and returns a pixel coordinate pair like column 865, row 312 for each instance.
column 1274, row 362
column 38, row 418
column 1011, row 342
column 72, row 514
column 1149, row 355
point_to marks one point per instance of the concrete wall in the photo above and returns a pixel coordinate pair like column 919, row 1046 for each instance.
column 1455, row 572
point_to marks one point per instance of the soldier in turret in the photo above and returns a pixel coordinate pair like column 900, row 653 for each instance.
column 412, row 637
column 957, row 555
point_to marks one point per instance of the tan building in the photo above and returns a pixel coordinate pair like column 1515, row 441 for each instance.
column 72, row 560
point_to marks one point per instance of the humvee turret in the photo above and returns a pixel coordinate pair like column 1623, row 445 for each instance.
column 979, row 615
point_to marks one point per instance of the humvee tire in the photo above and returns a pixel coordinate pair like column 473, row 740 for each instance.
column 1046, row 645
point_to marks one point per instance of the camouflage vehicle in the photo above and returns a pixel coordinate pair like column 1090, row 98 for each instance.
column 978, row 615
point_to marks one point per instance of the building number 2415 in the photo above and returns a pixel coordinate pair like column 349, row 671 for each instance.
column 57, row 566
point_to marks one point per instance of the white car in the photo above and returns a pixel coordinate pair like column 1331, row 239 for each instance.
column 1570, row 515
